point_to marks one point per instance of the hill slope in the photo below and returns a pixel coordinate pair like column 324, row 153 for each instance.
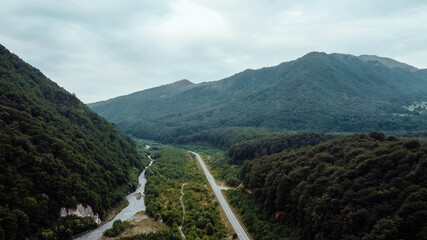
column 320, row 92
column 54, row 152
column 356, row 187
column 391, row 63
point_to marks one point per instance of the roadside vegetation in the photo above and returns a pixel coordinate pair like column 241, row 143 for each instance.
column 164, row 178
column 222, row 169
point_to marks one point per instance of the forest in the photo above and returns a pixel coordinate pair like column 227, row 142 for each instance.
column 274, row 143
column 226, row 163
column 358, row 187
column 55, row 152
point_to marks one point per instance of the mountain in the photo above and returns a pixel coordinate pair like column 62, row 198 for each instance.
column 319, row 91
column 147, row 97
column 55, row 152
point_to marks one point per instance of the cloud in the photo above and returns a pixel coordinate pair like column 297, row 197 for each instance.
column 102, row 49
column 189, row 22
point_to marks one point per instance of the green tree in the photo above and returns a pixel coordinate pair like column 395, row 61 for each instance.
column 209, row 229
column 385, row 229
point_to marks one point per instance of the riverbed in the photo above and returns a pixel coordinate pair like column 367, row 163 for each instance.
column 135, row 205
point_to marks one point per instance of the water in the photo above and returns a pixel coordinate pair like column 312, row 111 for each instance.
column 134, row 206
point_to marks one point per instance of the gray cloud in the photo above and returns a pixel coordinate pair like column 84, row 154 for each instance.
column 102, row 49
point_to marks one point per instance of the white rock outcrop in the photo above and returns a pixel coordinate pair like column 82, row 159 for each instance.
column 80, row 211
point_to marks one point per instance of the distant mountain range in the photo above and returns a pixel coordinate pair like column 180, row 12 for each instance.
column 317, row 92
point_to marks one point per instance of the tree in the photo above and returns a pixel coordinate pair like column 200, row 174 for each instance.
column 385, row 229
column 209, row 229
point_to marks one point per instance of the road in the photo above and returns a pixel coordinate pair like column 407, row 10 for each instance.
column 224, row 204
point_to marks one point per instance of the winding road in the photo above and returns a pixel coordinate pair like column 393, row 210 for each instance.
column 224, row 204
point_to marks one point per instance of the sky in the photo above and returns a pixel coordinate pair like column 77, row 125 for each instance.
column 100, row 49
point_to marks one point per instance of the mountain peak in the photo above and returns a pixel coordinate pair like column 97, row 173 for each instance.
column 314, row 54
column 340, row 56
column 182, row 82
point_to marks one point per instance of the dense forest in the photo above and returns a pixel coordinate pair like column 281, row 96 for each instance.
column 317, row 92
column 55, row 152
column 222, row 138
column 273, row 143
column 354, row 187
column 226, row 165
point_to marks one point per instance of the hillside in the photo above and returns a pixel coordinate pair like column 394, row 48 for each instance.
column 55, row 152
column 388, row 62
column 355, row 187
column 318, row 92
column 146, row 98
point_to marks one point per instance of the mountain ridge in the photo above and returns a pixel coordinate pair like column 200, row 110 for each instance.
column 318, row 91
column 363, row 57
column 391, row 63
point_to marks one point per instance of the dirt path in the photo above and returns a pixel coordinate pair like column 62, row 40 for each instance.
column 183, row 211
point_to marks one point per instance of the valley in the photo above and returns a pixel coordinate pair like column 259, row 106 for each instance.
column 198, row 199
column 328, row 146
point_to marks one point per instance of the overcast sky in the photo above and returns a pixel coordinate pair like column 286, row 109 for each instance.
column 99, row 49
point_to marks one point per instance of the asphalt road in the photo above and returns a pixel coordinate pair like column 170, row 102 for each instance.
column 224, row 204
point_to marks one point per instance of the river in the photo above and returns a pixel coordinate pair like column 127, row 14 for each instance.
column 134, row 206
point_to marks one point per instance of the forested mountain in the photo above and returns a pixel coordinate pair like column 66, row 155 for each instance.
column 388, row 62
column 55, row 152
column 274, row 143
column 354, row 187
column 122, row 106
column 318, row 92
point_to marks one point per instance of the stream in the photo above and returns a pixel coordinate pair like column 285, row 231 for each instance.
column 134, row 206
